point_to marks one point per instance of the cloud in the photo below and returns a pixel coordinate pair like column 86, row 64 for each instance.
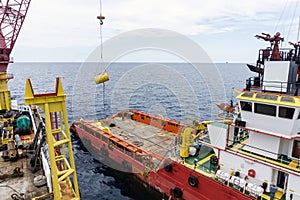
column 73, row 23
column 189, row 17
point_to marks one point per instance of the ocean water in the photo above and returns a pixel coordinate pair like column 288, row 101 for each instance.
column 179, row 91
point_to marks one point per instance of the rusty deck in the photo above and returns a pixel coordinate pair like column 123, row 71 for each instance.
column 148, row 137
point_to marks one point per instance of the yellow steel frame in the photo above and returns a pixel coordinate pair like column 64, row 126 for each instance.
column 62, row 166
column 5, row 102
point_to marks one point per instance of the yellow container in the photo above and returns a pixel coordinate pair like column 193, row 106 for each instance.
column 101, row 78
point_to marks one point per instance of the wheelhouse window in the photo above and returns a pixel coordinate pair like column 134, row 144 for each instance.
column 265, row 109
column 246, row 106
column 286, row 112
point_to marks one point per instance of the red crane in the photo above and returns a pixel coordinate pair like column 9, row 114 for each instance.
column 275, row 40
column 12, row 15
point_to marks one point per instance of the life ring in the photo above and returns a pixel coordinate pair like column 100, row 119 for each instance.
column 177, row 192
column 251, row 173
column 168, row 167
column 193, row 181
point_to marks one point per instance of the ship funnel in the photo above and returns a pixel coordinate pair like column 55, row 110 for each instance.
column 101, row 78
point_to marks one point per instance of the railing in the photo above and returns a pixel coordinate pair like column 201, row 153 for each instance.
column 151, row 160
column 286, row 54
column 296, row 57
column 275, row 86
column 241, row 134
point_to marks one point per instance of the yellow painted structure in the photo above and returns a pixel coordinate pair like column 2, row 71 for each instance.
column 279, row 99
column 236, row 91
column 62, row 166
column 186, row 140
column 101, row 78
column 5, row 101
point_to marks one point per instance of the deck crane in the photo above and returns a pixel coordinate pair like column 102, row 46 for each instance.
column 12, row 16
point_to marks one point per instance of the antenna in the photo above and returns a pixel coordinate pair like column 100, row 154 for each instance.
column 298, row 30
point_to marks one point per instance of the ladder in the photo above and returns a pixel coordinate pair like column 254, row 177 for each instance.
column 61, row 163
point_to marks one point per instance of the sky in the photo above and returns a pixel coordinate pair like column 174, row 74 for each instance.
column 68, row 31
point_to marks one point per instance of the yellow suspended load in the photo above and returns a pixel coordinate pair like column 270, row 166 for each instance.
column 101, row 78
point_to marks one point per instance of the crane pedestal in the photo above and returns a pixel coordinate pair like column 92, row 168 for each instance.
column 62, row 163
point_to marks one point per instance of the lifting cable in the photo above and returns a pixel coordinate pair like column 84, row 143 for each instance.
column 293, row 19
column 101, row 18
column 280, row 18
column 298, row 38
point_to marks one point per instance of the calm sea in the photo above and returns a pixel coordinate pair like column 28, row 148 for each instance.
column 178, row 91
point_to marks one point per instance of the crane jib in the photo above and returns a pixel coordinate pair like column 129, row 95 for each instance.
column 12, row 16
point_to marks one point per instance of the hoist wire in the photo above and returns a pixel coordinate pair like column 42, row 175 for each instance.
column 298, row 39
column 103, row 94
column 294, row 13
column 101, row 45
column 101, row 53
column 101, row 40
column 100, row 6
column 281, row 15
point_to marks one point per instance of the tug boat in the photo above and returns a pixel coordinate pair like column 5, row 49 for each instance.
column 254, row 155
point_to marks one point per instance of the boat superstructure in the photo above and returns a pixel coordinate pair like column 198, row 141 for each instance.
column 255, row 155
column 263, row 143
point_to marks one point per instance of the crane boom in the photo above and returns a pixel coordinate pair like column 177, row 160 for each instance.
column 12, row 16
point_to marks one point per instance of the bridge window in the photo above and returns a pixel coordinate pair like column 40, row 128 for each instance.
column 285, row 112
column 288, row 99
column 247, row 106
column 247, row 94
column 265, row 109
column 268, row 97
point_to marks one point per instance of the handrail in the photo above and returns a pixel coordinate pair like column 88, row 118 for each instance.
column 122, row 142
column 286, row 54
column 282, row 86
